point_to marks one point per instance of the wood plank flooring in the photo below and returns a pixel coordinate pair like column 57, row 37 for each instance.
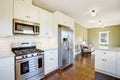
column 82, row 69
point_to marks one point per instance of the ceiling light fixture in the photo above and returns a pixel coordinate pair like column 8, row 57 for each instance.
column 93, row 13
column 100, row 23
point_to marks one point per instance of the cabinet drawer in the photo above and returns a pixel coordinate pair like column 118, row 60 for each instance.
column 7, row 73
column 6, row 61
column 50, row 54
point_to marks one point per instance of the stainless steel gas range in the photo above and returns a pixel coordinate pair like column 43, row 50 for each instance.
column 29, row 61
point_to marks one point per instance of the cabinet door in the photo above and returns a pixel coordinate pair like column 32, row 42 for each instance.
column 25, row 11
column 7, row 73
column 63, row 20
column 6, row 17
column 51, row 61
column 118, row 63
column 7, row 68
column 33, row 13
column 71, row 23
column 110, row 61
column 46, row 23
column 99, row 60
column 20, row 10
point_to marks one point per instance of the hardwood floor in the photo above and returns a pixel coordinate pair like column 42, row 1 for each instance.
column 82, row 69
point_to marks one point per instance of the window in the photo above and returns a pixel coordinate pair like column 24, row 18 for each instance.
column 104, row 37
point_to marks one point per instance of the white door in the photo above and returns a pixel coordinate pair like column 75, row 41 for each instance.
column 118, row 63
column 99, row 60
column 110, row 62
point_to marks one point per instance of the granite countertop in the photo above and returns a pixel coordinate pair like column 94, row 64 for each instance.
column 108, row 48
column 6, row 53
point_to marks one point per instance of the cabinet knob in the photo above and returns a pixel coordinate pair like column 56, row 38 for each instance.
column 104, row 53
column 26, row 16
column 105, row 60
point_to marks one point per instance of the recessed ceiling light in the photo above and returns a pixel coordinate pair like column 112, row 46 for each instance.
column 93, row 13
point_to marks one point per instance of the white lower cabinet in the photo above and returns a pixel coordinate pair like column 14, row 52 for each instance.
column 7, row 68
column 106, row 62
column 50, row 60
column 118, row 63
column 99, row 63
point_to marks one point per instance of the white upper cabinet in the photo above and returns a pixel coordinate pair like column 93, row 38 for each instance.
column 71, row 23
column 6, row 8
column 25, row 11
column 46, row 23
column 64, row 20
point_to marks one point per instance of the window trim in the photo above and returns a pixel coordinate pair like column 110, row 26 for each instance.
column 107, row 37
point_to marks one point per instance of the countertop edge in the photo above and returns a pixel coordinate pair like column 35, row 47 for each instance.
column 6, row 54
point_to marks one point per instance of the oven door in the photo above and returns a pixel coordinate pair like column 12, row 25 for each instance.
column 41, row 63
column 22, row 68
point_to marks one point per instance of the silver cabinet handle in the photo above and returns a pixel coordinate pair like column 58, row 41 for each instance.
column 51, row 58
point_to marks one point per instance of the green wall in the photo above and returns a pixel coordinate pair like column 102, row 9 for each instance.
column 80, row 33
column 114, row 35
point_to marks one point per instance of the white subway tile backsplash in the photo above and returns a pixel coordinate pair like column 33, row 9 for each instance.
column 42, row 43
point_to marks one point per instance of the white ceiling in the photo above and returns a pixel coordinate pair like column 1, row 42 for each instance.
column 108, row 11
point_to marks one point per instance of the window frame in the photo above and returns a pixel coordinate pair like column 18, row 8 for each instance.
column 107, row 37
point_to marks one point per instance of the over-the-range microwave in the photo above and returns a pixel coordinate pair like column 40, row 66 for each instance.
column 25, row 27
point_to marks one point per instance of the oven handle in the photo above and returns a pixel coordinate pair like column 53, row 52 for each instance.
column 22, row 60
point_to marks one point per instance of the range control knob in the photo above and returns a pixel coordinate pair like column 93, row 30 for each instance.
column 24, row 56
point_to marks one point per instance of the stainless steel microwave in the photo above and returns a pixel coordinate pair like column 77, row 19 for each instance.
column 25, row 27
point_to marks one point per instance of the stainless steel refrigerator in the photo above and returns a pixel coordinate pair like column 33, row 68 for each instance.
column 65, row 47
